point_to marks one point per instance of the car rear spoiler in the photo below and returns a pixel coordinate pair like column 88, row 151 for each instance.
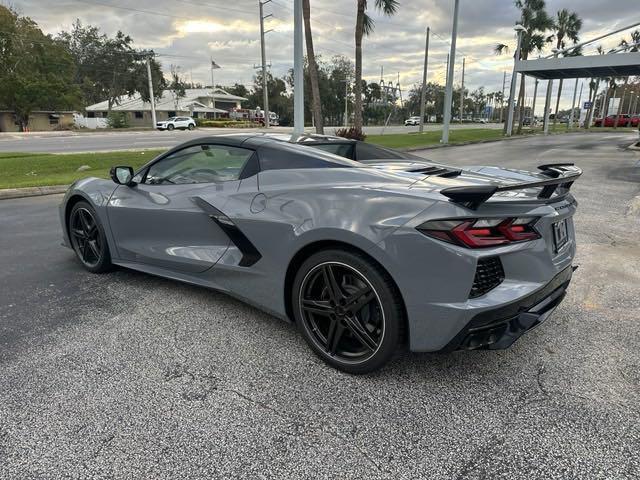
column 561, row 177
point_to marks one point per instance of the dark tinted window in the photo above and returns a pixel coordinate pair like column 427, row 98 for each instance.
column 341, row 149
column 366, row 151
column 280, row 155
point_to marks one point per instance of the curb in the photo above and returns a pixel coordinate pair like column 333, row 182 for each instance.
column 9, row 193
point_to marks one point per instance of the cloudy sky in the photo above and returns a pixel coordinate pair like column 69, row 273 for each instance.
column 188, row 32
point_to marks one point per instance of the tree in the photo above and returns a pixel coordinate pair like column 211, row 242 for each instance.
column 567, row 25
column 110, row 67
column 365, row 26
column 536, row 22
column 313, row 69
column 177, row 86
column 237, row 89
column 36, row 71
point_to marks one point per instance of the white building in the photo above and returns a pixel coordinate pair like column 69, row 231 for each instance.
column 198, row 103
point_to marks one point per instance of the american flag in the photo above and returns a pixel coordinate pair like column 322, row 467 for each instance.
column 214, row 65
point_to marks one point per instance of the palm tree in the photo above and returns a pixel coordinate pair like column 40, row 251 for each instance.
column 567, row 26
column 313, row 69
column 536, row 21
column 365, row 26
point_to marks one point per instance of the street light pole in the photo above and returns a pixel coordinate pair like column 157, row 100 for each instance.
column 462, row 90
column 265, row 92
column 298, row 62
column 448, row 98
column 514, row 78
column 423, row 95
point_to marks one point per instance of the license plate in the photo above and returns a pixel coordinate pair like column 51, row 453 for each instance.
column 560, row 234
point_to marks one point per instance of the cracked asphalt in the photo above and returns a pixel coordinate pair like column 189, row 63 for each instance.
column 126, row 375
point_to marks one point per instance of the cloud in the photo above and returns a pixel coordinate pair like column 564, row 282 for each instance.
column 189, row 32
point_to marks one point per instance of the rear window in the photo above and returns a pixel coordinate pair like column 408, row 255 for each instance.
column 341, row 149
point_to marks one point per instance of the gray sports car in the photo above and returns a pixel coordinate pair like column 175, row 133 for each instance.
column 364, row 256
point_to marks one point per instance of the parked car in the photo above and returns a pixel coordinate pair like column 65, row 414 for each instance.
column 363, row 256
column 181, row 123
column 412, row 121
column 610, row 121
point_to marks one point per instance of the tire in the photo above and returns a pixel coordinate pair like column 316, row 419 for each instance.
column 88, row 239
column 170, row 127
column 191, row 126
column 357, row 325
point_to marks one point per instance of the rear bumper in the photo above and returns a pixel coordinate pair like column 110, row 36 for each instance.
column 499, row 328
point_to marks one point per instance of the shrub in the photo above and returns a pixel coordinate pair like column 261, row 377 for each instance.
column 118, row 120
column 352, row 133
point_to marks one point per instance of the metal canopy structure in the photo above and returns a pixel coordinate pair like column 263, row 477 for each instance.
column 593, row 66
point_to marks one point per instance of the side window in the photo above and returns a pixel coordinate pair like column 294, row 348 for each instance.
column 199, row 164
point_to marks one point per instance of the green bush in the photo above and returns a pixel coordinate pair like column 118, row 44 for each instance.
column 118, row 120
column 224, row 123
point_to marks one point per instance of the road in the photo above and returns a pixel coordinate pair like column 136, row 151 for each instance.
column 126, row 375
column 99, row 141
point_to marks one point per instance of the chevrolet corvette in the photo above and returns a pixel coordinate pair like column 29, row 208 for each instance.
column 364, row 255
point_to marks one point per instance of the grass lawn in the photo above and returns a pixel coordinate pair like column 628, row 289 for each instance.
column 416, row 140
column 41, row 169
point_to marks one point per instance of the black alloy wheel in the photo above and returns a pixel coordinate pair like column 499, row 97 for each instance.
column 88, row 239
column 348, row 311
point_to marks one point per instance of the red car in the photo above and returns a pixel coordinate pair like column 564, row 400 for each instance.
column 625, row 121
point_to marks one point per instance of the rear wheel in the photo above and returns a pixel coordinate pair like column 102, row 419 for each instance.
column 191, row 126
column 88, row 239
column 348, row 310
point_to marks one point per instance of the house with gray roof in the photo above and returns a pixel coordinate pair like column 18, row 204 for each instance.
column 198, row 102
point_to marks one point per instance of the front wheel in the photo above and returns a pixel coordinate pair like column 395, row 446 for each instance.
column 170, row 127
column 88, row 239
column 348, row 310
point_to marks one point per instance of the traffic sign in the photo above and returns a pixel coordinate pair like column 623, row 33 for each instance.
column 587, row 105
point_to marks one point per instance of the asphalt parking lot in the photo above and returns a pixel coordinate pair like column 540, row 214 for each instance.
column 130, row 376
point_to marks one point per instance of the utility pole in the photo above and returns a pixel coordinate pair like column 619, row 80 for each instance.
column 504, row 84
column 151, row 97
column 214, row 66
column 573, row 105
column 265, row 92
column 448, row 97
column 298, row 64
column 423, row 95
column 346, row 102
column 547, row 103
column 462, row 91
column 533, row 104
column 514, row 78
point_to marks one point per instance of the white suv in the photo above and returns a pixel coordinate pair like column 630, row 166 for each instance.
column 183, row 123
column 412, row 121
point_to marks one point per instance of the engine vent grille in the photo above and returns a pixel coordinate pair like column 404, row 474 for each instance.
column 489, row 274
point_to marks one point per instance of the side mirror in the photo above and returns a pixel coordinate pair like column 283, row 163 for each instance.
column 122, row 175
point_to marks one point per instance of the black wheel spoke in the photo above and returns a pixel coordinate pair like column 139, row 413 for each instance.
column 358, row 300
column 83, row 221
column 85, row 250
column 94, row 248
column 79, row 233
column 320, row 307
column 361, row 333
column 332, row 284
column 336, row 329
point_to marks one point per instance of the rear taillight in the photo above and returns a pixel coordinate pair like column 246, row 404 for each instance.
column 481, row 232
